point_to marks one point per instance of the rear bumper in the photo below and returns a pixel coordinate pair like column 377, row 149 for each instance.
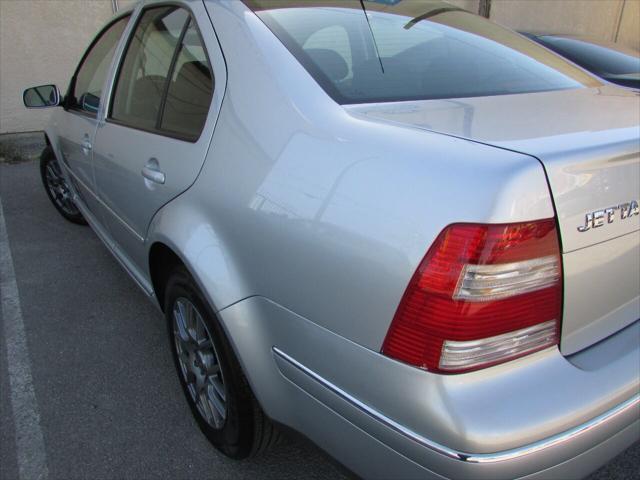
column 626, row 411
column 604, row 437
column 543, row 416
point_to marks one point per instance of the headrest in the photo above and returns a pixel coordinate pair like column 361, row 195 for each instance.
column 330, row 62
column 195, row 67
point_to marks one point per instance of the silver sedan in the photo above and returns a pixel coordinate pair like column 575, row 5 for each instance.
column 392, row 225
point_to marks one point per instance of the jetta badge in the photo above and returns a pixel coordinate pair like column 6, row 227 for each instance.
column 597, row 219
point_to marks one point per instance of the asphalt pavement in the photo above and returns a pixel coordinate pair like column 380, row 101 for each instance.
column 108, row 400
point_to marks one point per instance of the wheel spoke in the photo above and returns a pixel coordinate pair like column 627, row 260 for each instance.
column 51, row 169
column 216, row 402
column 212, row 370
column 199, row 333
column 191, row 385
column 205, row 408
column 51, row 178
column 218, row 387
column 191, row 323
column 183, row 359
column 182, row 314
column 181, row 320
column 55, row 167
column 69, row 205
column 183, row 353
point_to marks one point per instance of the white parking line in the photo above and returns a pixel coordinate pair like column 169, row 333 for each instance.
column 30, row 452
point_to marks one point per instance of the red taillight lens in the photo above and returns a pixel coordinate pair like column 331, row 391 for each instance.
column 483, row 294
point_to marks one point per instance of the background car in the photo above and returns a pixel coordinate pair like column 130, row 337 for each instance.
column 611, row 61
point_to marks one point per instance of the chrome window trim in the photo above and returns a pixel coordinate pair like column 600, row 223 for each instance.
column 496, row 457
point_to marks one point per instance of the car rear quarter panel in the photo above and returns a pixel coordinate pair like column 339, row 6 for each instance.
column 325, row 213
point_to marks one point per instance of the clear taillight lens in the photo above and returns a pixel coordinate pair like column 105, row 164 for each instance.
column 483, row 283
column 473, row 353
column 483, row 294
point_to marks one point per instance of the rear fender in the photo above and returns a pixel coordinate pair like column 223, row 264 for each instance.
column 184, row 228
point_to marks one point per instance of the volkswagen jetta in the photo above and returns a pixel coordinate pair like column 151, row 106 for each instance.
column 394, row 226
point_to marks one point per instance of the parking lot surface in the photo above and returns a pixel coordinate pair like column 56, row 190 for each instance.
column 107, row 397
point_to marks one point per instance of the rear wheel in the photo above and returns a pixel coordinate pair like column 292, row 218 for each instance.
column 57, row 188
column 213, row 382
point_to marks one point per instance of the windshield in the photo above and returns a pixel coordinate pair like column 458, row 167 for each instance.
column 411, row 50
column 600, row 58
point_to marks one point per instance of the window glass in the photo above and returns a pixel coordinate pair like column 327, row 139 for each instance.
column 189, row 92
column 411, row 50
column 143, row 74
column 90, row 77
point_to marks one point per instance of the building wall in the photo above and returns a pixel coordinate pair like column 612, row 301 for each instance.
column 599, row 18
column 612, row 20
column 629, row 29
column 41, row 41
column 471, row 5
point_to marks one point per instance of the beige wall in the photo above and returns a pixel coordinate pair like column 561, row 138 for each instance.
column 629, row 31
column 471, row 5
column 612, row 20
column 598, row 18
column 41, row 41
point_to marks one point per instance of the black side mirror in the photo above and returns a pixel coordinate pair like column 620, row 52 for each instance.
column 41, row 97
column 90, row 102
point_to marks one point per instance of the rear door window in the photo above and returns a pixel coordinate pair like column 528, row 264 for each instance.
column 165, row 83
column 144, row 72
column 190, row 89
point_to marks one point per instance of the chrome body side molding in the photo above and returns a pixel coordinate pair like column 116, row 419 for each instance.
column 496, row 457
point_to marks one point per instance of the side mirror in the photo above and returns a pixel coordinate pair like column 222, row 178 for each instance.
column 90, row 102
column 41, row 97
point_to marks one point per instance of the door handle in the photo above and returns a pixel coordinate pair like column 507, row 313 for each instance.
column 153, row 174
column 86, row 146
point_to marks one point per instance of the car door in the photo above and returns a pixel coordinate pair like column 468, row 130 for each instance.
column 164, row 103
column 78, row 125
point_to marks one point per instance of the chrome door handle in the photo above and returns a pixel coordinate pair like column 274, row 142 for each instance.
column 153, row 175
column 86, row 146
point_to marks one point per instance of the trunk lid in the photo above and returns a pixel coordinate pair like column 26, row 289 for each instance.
column 588, row 141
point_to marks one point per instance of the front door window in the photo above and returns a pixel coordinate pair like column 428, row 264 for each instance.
column 90, row 77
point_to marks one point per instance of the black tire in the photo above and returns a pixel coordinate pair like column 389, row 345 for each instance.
column 246, row 431
column 56, row 187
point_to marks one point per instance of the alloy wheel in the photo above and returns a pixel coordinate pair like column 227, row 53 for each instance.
column 199, row 363
column 58, row 188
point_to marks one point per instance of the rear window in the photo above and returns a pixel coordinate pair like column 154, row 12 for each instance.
column 411, row 50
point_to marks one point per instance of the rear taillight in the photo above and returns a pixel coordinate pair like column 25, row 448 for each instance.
column 483, row 294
